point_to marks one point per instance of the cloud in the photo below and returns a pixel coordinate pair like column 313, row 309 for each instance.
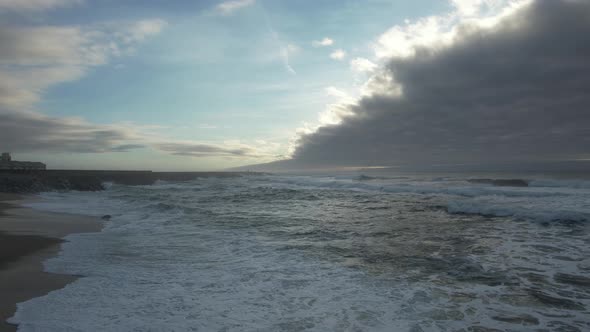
column 440, row 31
column 506, row 88
column 229, row 7
column 362, row 65
column 335, row 92
column 321, row 43
column 34, row 58
column 127, row 147
column 33, row 132
column 470, row 8
column 230, row 149
column 338, row 54
column 30, row 131
column 47, row 45
column 204, row 150
column 138, row 31
column 21, row 88
column 286, row 52
column 467, row 7
column 35, row 5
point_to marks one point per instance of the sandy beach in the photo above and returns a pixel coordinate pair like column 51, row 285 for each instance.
column 27, row 238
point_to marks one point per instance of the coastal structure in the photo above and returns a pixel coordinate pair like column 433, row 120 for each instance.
column 6, row 163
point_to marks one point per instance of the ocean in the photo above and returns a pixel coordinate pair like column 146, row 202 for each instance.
column 413, row 252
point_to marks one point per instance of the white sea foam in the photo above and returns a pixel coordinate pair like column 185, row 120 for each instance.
column 142, row 274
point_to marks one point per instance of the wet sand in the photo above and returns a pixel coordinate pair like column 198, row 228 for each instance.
column 27, row 238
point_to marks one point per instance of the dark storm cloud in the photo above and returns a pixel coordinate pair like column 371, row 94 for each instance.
column 27, row 131
column 517, row 91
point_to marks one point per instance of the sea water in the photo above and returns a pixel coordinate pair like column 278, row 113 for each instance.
column 323, row 253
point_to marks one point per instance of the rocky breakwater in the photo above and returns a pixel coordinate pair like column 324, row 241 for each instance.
column 35, row 182
column 65, row 180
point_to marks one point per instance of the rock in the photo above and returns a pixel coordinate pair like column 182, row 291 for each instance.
column 106, row 217
column 81, row 180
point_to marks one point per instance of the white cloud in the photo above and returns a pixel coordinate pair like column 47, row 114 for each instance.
column 140, row 30
column 335, row 92
column 362, row 65
column 402, row 40
column 338, row 54
column 467, row 7
column 229, row 7
column 286, row 52
column 334, row 114
column 477, row 7
column 34, row 58
column 21, row 88
column 440, row 31
column 324, row 42
column 35, row 5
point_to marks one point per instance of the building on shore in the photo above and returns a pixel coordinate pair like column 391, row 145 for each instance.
column 6, row 163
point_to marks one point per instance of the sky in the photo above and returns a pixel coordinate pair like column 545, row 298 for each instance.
column 206, row 85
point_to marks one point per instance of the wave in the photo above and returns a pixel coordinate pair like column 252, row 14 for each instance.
column 542, row 200
column 575, row 184
column 420, row 187
column 501, row 182
column 535, row 211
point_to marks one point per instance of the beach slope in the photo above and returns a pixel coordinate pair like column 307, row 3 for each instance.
column 27, row 238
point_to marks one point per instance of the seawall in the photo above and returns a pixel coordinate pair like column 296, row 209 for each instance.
column 83, row 180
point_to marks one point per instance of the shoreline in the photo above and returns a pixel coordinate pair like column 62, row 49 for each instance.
column 29, row 237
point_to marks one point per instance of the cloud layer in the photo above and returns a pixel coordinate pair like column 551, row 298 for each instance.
column 29, row 132
column 34, row 5
column 502, row 89
column 34, row 58
column 192, row 149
